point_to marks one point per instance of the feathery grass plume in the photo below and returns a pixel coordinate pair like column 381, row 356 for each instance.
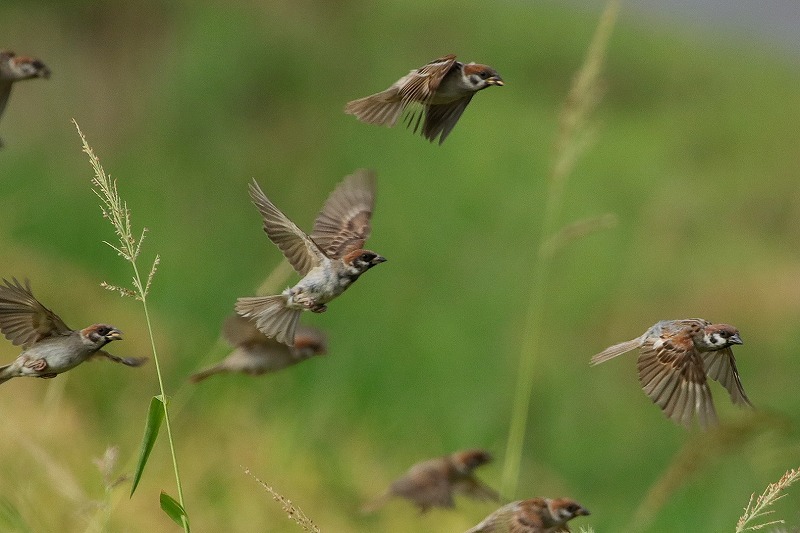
column 116, row 211
column 697, row 453
column 770, row 495
column 574, row 136
column 292, row 511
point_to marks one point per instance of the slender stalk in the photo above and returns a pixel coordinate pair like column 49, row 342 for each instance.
column 573, row 137
column 116, row 211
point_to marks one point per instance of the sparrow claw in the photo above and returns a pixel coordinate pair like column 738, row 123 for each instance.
column 319, row 308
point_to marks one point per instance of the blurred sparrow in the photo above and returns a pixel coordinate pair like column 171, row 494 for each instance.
column 257, row 354
column 432, row 483
column 537, row 515
column 443, row 87
column 676, row 357
column 330, row 260
column 49, row 346
column 14, row 68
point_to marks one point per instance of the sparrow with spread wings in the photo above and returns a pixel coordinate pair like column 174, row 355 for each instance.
column 329, row 260
column 535, row 515
column 432, row 483
column 49, row 346
column 443, row 87
column 675, row 359
column 256, row 354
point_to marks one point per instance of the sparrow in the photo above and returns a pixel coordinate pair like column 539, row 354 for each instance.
column 536, row 515
column 329, row 260
column 15, row 68
column 432, row 483
column 443, row 87
column 676, row 357
column 49, row 346
column 256, row 354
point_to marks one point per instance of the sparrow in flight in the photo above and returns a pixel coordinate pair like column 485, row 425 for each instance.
column 256, row 354
column 442, row 88
column 536, row 515
column 49, row 347
column 329, row 260
column 432, row 483
column 675, row 359
column 15, row 68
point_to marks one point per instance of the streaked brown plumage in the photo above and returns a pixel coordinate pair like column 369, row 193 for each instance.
column 432, row 483
column 443, row 87
column 675, row 359
column 49, row 346
column 256, row 354
column 536, row 515
column 330, row 259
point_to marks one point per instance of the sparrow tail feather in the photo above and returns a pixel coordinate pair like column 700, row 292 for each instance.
column 613, row 351
column 271, row 316
column 383, row 109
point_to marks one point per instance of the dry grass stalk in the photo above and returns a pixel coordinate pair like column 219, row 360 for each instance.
column 767, row 498
column 292, row 511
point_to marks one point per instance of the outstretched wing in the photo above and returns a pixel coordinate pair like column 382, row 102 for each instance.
column 672, row 374
column 344, row 222
column 297, row 247
column 721, row 366
column 421, row 84
column 23, row 319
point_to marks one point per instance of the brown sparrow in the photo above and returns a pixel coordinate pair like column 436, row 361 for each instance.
column 443, row 87
column 676, row 357
column 49, row 346
column 16, row 68
column 256, row 354
column 330, row 260
column 537, row 515
column 432, row 483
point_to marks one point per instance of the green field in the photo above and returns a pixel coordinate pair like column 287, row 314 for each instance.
column 696, row 151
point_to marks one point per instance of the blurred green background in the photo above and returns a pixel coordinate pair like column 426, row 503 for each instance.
column 696, row 151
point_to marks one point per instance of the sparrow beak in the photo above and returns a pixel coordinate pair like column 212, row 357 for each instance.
column 114, row 335
column 378, row 259
column 495, row 80
column 735, row 339
column 583, row 511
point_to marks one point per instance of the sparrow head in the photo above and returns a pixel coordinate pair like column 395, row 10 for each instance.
column 481, row 76
column 564, row 509
column 28, row 67
column 719, row 336
column 359, row 261
column 466, row 461
column 101, row 334
column 309, row 342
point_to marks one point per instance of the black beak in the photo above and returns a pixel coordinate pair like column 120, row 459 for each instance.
column 735, row 339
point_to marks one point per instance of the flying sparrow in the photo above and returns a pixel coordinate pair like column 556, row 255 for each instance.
column 15, row 68
column 443, row 87
column 537, row 515
column 257, row 354
column 330, row 260
column 676, row 357
column 432, row 483
column 49, row 346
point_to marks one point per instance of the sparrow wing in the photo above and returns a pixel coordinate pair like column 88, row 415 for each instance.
column 721, row 366
column 476, row 489
column 127, row 361
column 421, row 84
column 241, row 331
column 298, row 248
column 672, row 374
column 618, row 349
column 426, row 484
column 441, row 119
column 344, row 222
column 23, row 319
column 5, row 92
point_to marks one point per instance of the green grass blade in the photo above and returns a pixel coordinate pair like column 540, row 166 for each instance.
column 11, row 518
column 155, row 415
column 174, row 510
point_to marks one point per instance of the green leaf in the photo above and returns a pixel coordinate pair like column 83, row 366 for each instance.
column 174, row 510
column 155, row 415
